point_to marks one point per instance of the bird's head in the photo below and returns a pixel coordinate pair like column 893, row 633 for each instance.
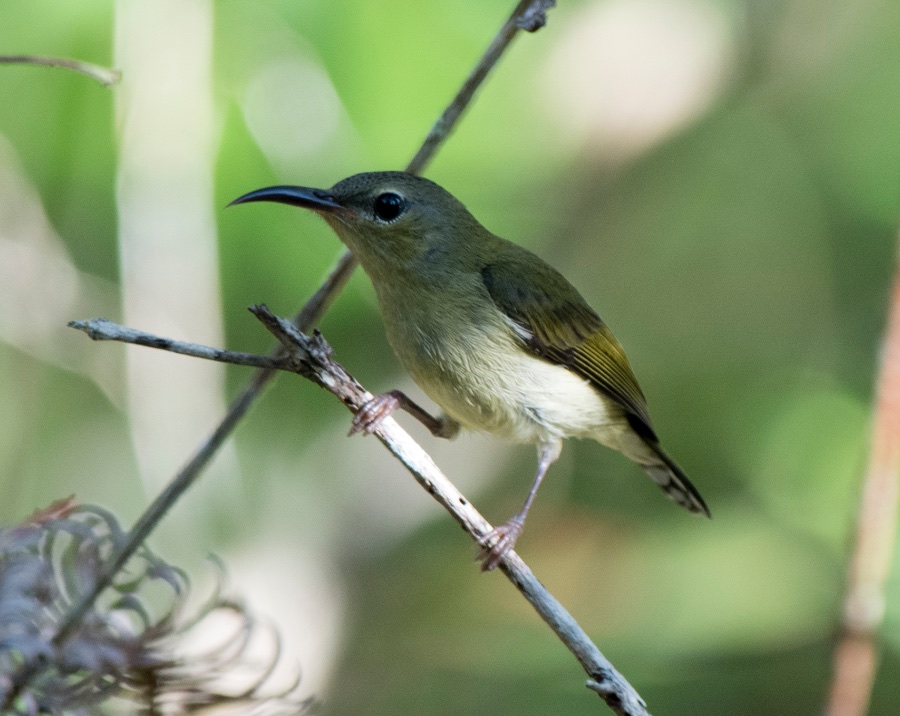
column 388, row 218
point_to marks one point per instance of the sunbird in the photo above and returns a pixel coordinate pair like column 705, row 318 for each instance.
column 499, row 339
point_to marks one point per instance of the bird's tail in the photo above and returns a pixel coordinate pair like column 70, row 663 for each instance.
column 666, row 473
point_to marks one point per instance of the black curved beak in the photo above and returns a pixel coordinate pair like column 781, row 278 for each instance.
column 314, row 199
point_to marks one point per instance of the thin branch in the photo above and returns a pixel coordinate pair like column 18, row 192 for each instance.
column 856, row 655
column 313, row 359
column 528, row 15
column 100, row 329
column 103, row 75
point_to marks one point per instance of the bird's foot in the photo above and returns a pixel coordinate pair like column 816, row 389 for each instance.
column 444, row 427
column 497, row 543
column 370, row 415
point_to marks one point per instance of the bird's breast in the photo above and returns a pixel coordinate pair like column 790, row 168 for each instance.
column 466, row 358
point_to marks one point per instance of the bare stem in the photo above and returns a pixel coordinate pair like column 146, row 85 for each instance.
column 103, row 75
column 856, row 655
column 528, row 15
column 99, row 329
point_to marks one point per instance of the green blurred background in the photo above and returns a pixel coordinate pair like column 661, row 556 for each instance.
column 718, row 177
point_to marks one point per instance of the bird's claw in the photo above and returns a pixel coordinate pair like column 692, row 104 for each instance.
column 497, row 543
column 370, row 415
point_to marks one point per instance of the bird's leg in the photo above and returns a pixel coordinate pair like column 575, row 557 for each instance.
column 370, row 415
column 500, row 540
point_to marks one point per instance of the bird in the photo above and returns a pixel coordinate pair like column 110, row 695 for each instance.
column 494, row 335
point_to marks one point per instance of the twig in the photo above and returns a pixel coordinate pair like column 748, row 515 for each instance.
column 856, row 657
column 100, row 329
column 312, row 358
column 528, row 15
column 103, row 75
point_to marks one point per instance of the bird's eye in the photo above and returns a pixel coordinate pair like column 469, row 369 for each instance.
column 389, row 206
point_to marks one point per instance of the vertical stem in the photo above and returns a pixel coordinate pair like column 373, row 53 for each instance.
column 856, row 655
column 449, row 118
column 168, row 247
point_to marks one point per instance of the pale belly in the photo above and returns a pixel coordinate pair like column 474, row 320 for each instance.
column 492, row 384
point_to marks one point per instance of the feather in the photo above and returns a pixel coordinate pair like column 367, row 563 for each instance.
column 554, row 322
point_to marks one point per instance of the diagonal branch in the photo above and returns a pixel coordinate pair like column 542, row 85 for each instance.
column 312, row 358
column 529, row 15
column 100, row 329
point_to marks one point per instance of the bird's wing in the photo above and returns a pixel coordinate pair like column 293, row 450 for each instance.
column 555, row 323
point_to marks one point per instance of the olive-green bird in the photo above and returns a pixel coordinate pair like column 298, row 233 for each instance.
column 496, row 337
